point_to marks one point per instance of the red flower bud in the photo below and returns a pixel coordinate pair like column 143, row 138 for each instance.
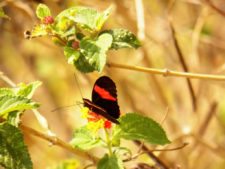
column 48, row 20
column 76, row 44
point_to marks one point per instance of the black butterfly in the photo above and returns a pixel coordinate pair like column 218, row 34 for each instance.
column 104, row 99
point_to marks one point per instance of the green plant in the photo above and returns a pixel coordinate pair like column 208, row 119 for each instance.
column 79, row 31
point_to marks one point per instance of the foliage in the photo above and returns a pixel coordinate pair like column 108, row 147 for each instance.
column 154, row 133
column 79, row 30
column 83, row 26
column 110, row 162
column 13, row 101
column 13, row 151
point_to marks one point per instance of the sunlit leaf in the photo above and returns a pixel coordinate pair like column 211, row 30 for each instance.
column 123, row 38
column 13, row 151
column 136, row 127
column 85, row 139
column 93, row 53
column 27, row 90
column 42, row 11
column 71, row 54
column 11, row 103
column 110, row 162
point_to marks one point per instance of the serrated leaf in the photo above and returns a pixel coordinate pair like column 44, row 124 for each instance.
column 85, row 139
column 13, row 118
column 66, row 164
column 38, row 31
column 136, row 127
column 110, row 162
column 13, row 151
column 7, row 91
column 102, row 17
column 123, row 38
column 93, row 53
column 42, row 11
column 71, row 54
column 27, row 90
column 11, row 103
column 85, row 19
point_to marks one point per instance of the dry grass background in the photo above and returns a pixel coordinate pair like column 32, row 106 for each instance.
column 200, row 32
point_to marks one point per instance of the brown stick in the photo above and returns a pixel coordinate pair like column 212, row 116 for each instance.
column 210, row 3
column 183, row 63
column 167, row 72
column 158, row 161
column 56, row 141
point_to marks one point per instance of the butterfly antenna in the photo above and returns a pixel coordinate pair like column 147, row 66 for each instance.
column 77, row 82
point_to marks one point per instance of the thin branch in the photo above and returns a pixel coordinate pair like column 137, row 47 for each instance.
column 167, row 72
column 158, row 161
column 208, row 118
column 210, row 3
column 183, row 63
column 56, row 141
column 155, row 150
column 140, row 19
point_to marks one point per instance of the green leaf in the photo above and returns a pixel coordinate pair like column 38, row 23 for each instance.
column 13, row 118
column 93, row 53
column 85, row 139
column 71, row 54
column 110, row 162
column 66, row 164
column 123, row 38
column 28, row 90
column 7, row 91
column 85, row 19
column 136, row 127
column 13, row 151
column 11, row 103
column 38, row 31
column 42, row 11
column 102, row 17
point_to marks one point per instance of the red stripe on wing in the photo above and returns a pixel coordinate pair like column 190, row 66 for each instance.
column 104, row 93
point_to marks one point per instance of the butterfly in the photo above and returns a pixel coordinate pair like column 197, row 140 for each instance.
column 104, row 99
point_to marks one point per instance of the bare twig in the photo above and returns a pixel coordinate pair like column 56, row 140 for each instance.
column 208, row 118
column 140, row 19
column 167, row 72
column 183, row 63
column 155, row 150
column 56, row 141
column 210, row 3
column 158, row 161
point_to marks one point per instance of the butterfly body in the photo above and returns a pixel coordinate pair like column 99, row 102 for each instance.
column 104, row 99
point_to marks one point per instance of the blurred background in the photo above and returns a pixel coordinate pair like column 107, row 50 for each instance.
column 200, row 33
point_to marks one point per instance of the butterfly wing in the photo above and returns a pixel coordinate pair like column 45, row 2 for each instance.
column 104, row 95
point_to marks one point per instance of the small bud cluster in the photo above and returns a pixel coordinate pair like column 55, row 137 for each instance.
column 48, row 20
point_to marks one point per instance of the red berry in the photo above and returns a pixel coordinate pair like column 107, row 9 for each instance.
column 107, row 124
column 76, row 44
column 48, row 20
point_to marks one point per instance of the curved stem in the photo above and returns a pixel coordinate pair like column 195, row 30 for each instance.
column 167, row 72
column 108, row 142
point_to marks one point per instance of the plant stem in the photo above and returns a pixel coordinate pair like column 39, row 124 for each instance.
column 167, row 72
column 108, row 141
